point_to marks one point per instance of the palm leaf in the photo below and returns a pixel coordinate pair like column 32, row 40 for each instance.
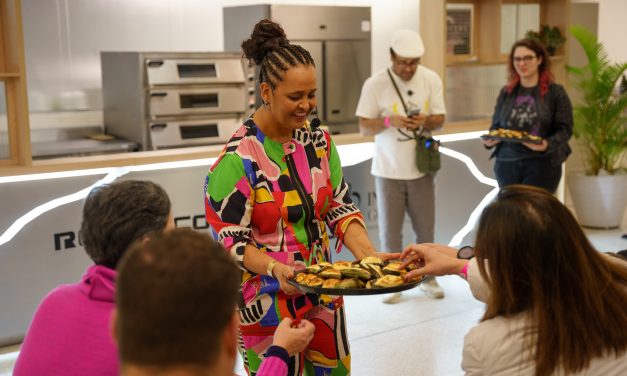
column 600, row 121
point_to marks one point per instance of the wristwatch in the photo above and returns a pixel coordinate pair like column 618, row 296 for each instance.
column 270, row 266
column 466, row 253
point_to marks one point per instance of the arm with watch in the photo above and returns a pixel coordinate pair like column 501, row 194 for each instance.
column 437, row 260
column 260, row 263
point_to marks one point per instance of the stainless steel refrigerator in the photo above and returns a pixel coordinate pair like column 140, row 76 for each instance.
column 338, row 39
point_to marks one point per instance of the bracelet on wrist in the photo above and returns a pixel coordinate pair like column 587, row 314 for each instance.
column 271, row 266
column 464, row 272
column 386, row 122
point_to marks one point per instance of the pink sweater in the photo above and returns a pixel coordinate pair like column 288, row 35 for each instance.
column 274, row 365
column 70, row 331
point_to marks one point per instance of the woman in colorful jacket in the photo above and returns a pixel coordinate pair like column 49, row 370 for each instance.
column 531, row 102
column 270, row 196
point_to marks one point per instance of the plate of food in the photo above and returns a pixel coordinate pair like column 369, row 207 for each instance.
column 369, row 276
column 511, row 135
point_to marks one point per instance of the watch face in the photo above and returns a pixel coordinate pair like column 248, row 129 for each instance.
column 466, row 253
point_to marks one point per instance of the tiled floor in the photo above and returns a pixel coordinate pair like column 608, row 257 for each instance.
column 417, row 336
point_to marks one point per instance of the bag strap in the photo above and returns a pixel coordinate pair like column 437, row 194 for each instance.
column 400, row 96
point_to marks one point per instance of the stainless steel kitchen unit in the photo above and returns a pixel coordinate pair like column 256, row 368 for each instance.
column 338, row 39
column 166, row 100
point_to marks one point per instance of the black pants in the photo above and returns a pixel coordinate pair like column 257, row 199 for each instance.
column 538, row 172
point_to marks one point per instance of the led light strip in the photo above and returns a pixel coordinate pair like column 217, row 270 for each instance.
column 349, row 154
column 353, row 154
column 459, row 136
column 470, row 164
column 112, row 174
column 41, row 209
column 9, row 357
column 459, row 236
column 108, row 170
column 456, row 240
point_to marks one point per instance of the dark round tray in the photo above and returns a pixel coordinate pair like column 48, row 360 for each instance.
column 508, row 139
column 360, row 291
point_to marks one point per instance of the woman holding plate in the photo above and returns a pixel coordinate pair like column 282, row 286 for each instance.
column 275, row 188
column 533, row 103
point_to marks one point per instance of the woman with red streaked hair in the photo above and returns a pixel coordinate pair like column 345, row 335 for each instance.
column 531, row 102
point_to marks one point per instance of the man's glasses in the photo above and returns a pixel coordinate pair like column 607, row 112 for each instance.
column 524, row 59
column 407, row 63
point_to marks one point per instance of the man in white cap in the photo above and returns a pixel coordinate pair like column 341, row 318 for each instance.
column 391, row 114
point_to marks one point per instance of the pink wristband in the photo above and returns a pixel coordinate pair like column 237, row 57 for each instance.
column 464, row 272
column 386, row 121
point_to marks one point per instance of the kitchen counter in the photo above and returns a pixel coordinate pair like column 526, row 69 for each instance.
column 193, row 153
column 42, row 205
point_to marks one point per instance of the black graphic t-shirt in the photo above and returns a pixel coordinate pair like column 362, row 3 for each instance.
column 522, row 117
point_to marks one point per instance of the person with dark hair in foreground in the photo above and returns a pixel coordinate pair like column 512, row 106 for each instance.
column 70, row 332
column 176, row 311
column 555, row 305
column 270, row 197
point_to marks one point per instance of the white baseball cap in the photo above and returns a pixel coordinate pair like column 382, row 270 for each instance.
column 407, row 43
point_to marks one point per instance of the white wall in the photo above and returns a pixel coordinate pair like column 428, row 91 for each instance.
column 387, row 16
column 612, row 27
column 63, row 38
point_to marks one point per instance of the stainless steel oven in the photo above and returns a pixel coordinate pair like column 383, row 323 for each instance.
column 338, row 39
column 165, row 100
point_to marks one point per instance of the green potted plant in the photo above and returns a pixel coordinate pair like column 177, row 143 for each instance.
column 600, row 194
column 550, row 37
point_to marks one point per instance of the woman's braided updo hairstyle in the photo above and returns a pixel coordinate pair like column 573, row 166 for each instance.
column 269, row 48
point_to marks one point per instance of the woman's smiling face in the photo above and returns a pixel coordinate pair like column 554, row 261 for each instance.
column 293, row 98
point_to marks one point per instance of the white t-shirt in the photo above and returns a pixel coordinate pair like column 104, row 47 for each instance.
column 394, row 159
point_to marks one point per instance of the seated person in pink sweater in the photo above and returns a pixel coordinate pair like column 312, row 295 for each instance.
column 176, row 311
column 70, row 331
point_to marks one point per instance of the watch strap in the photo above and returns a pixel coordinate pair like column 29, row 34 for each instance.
column 270, row 266
column 466, row 253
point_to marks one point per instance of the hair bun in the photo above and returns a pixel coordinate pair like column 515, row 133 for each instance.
column 266, row 37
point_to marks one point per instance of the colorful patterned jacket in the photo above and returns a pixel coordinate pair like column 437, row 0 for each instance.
column 279, row 198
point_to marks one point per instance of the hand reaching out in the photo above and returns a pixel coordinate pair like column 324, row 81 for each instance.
column 293, row 337
column 432, row 259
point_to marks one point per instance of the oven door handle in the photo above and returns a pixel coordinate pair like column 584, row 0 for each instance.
column 158, row 94
column 154, row 63
column 158, row 126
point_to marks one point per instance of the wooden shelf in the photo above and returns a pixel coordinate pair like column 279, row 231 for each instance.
column 476, row 63
column 487, row 31
column 12, row 62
